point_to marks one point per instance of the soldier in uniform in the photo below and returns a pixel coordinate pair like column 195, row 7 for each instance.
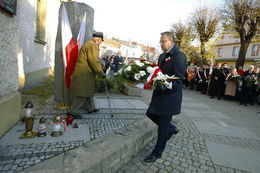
column 166, row 103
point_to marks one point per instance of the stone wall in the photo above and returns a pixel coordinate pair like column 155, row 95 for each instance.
column 8, row 54
column 10, row 99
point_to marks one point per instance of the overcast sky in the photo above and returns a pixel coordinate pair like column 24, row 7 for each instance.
column 141, row 20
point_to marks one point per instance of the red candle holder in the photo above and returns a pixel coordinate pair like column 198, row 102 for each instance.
column 69, row 119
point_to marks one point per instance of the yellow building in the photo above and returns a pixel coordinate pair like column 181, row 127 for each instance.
column 227, row 50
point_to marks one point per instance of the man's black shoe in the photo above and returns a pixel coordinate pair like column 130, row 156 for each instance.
column 151, row 158
column 94, row 110
column 75, row 116
column 176, row 131
column 212, row 97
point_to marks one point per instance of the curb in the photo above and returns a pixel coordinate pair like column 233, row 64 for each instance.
column 106, row 154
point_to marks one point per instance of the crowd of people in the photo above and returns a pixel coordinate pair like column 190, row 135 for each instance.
column 112, row 64
column 225, row 83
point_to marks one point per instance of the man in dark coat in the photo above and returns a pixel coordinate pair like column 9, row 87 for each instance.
column 166, row 103
column 118, row 61
column 217, row 81
column 248, row 86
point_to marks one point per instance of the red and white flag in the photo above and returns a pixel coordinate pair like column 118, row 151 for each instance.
column 69, row 47
column 82, row 31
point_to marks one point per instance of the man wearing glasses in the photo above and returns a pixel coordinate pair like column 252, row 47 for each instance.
column 166, row 103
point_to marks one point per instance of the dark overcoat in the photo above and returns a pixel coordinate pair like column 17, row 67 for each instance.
column 168, row 102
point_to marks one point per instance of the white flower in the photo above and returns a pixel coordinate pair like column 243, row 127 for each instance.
column 142, row 73
column 137, row 76
column 140, row 85
column 168, row 84
column 138, row 63
column 161, row 76
column 150, row 69
column 120, row 71
column 128, row 68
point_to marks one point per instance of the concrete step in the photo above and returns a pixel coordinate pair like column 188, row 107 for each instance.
column 106, row 154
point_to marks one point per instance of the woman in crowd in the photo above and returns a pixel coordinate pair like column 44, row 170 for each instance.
column 231, row 86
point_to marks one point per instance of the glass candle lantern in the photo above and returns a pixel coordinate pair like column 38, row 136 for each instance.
column 58, row 126
column 29, row 117
column 42, row 127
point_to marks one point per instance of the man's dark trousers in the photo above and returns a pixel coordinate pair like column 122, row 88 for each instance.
column 165, row 129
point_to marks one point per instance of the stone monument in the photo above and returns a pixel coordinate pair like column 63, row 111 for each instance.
column 75, row 11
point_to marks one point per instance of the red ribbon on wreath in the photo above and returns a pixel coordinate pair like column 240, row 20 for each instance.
column 148, row 85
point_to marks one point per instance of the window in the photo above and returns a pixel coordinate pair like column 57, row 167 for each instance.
column 235, row 51
column 220, row 52
column 40, row 21
column 255, row 50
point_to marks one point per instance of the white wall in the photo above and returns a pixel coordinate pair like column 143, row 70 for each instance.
column 36, row 56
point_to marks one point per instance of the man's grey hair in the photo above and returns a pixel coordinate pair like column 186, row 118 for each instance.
column 169, row 35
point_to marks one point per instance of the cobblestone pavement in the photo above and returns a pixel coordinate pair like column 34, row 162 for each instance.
column 15, row 158
column 187, row 151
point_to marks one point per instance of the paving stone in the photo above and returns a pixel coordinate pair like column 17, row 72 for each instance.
column 186, row 151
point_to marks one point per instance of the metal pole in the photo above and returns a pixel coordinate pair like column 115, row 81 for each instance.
column 108, row 97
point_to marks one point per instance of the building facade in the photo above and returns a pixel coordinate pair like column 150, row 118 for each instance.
column 27, row 51
column 227, row 50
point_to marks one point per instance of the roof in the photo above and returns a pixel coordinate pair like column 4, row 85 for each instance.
column 112, row 43
column 127, row 43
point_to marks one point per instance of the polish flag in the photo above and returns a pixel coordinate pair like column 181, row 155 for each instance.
column 69, row 47
column 80, row 41
column 82, row 31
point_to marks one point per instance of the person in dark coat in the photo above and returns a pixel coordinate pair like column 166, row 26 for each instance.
column 118, row 61
column 217, row 80
column 205, row 76
column 164, row 104
column 248, row 88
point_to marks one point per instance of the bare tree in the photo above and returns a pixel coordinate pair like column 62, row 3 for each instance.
column 183, row 37
column 178, row 30
column 243, row 17
column 182, row 33
column 205, row 22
